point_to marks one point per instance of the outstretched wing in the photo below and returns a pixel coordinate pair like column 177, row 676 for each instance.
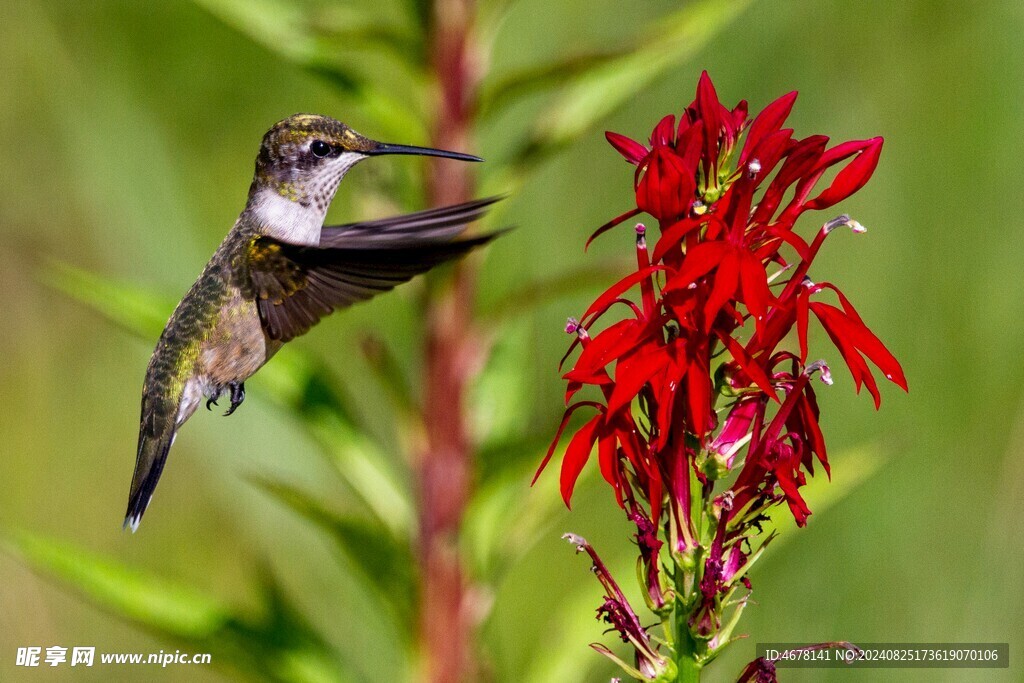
column 296, row 286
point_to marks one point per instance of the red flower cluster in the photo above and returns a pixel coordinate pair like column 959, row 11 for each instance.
column 698, row 370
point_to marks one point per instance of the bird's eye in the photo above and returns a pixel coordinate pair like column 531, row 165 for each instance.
column 320, row 149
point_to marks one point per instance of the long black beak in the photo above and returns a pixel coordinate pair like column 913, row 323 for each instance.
column 385, row 148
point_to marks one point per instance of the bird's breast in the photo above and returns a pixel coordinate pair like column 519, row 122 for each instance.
column 236, row 347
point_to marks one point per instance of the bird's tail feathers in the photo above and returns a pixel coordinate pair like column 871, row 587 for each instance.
column 156, row 434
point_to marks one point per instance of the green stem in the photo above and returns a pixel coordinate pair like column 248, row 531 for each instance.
column 687, row 666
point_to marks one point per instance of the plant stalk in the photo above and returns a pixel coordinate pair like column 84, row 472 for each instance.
column 444, row 470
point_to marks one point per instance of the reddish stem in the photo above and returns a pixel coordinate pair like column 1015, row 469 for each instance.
column 444, row 470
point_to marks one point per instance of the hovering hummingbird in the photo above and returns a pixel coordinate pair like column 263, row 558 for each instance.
column 280, row 270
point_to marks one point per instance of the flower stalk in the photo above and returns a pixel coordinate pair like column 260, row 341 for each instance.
column 702, row 410
column 444, row 468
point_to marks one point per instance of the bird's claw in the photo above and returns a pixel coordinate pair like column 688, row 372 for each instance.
column 237, row 396
column 211, row 401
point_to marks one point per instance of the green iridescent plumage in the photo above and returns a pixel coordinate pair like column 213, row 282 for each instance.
column 277, row 273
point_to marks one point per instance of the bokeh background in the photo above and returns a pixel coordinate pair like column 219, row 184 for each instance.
column 127, row 137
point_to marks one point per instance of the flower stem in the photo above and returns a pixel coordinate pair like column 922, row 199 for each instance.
column 687, row 666
column 444, row 468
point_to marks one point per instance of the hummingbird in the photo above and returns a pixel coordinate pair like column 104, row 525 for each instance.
column 278, row 272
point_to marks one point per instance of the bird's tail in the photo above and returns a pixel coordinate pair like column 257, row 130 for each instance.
column 156, row 434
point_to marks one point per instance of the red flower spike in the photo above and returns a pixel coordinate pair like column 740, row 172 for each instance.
column 714, row 328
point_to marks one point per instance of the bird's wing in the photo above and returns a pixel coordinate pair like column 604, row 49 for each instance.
column 296, row 286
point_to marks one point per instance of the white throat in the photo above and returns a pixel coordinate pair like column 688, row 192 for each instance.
column 293, row 221
column 286, row 220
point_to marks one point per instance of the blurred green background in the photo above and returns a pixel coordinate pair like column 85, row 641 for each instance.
column 127, row 134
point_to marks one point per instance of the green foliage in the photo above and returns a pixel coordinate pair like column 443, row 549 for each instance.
column 384, row 561
column 275, row 644
column 602, row 83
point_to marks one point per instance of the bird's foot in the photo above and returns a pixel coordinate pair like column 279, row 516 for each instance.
column 237, row 396
column 212, row 401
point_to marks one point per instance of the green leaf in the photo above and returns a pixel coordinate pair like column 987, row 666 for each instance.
column 422, row 13
column 322, row 42
column 850, row 470
column 294, row 380
column 307, row 36
column 165, row 607
column 565, row 657
column 499, row 393
column 298, row 382
column 277, row 645
column 531, row 80
column 386, row 368
column 597, row 92
column 544, row 290
column 130, row 308
column 384, row 561
column 499, row 528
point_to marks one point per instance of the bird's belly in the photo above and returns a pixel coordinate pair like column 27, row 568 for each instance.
column 236, row 347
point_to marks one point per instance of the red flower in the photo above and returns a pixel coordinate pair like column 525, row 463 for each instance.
column 725, row 286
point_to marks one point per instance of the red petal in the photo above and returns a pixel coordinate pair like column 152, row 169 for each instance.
column 698, row 385
column 754, row 371
column 667, row 398
column 558, row 434
column 769, row 121
column 631, row 374
column 835, row 325
column 607, row 459
column 725, row 282
column 616, row 290
column 674, row 234
column 789, row 486
column 666, row 189
column 689, row 146
column 611, row 224
column 800, row 160
column 576, row 456
column 605, row 347
column 812, row 432
column 794, row 240
column 738, row 120
column 663, row 132
column 770, row 152
column 630, row 149
column 853, row 177
column 699, row 261
column 802, row 299
column 754, row 280
column 710, row 111
column 865, row 341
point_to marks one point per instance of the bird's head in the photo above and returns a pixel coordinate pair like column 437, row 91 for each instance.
column 301, row 162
